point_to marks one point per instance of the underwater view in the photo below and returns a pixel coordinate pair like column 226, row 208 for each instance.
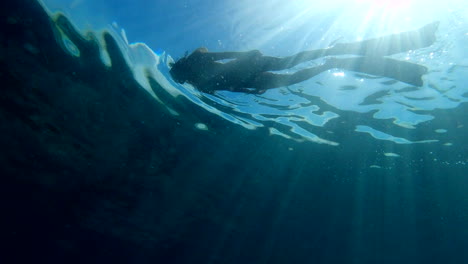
column 202, row 131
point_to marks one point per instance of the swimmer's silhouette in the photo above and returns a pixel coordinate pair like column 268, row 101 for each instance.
column 250, row 71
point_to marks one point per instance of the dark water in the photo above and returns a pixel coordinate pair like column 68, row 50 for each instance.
column 96, row 170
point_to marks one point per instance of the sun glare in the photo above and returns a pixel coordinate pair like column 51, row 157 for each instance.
column 387, row 4
column 282, row 28
column 372, row 15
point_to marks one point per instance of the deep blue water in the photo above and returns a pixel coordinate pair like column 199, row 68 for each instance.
column 342, row 168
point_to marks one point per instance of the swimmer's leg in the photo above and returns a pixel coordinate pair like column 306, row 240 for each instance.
column 278, row 64
column 403, row 71
column 268, row 80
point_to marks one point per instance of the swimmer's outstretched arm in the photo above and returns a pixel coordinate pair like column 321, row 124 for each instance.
column 375, row 47
column 389, row 44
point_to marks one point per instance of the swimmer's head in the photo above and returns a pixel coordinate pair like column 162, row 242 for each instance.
column 201, row 49
column 179, row 70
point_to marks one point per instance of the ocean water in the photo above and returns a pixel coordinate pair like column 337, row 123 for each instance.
column 304, row 111
column 341, row 168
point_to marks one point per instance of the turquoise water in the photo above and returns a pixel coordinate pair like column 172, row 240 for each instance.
column 306, row 111
column 109, row 163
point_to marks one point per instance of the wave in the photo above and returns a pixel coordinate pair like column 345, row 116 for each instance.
column 312, row 110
